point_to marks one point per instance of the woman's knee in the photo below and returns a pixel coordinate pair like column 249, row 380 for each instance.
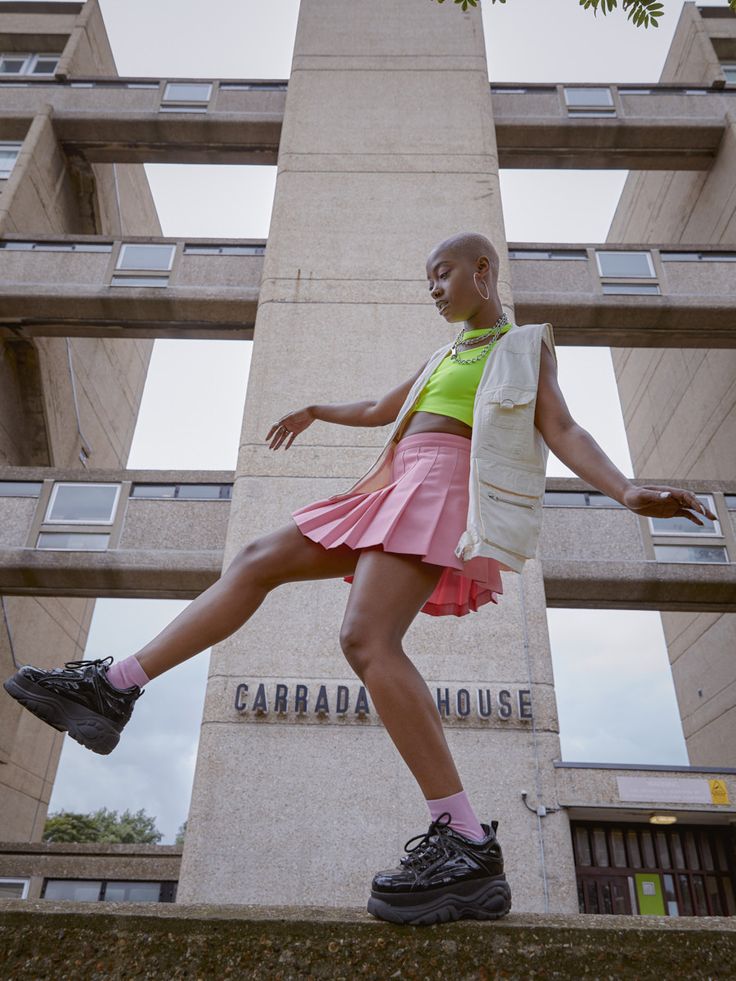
column 362, row 644
column 260, row 562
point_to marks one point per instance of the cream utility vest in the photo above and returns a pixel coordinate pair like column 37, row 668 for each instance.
column 508, row 457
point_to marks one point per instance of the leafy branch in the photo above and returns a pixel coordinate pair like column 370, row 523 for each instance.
column 641, row 12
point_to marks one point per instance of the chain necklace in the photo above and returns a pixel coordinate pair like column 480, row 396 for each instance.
column 494, row 333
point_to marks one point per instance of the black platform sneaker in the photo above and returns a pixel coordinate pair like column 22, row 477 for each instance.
column 77, row 699
column 445, row 877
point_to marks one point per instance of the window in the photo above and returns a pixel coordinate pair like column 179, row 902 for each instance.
column 684, row 526
column 548, row 254
column 729, row 72
column 138, row 264
column 73, row 541
column 15, row 63
column 109, row 890
column 625, row 264
column 14, row 888
column 698, row 256
column 690, row 553
column 17, row 246
column 146, row 256
column 87, row 503
column 190, row 249
column 579, row 499
column 20, row 488
column 186, row 97
column 730, row 501
column 247, row 86
column 190, row 492
column 8, row 155
column 623, row 288
column 589, row 101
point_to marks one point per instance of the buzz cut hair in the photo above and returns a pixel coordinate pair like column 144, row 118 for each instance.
column 470, row 246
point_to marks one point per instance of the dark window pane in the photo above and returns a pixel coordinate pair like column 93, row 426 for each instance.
column 691, row 851
column 678, row 856
column 20, row 488
column 728, row 894
column 600, row 848
column 670, row 897
column 132, row 892
column 705, row 850
column 647, row 850
column 79, row 891
column 687, row 903
column 701, row 906
column 663, row 854
column 618, row 896
column 153, row 490
column 711, row 887
column 722, row 860
column 591, row 897
column 582, row 846
column 632, row 844
column 618, row 851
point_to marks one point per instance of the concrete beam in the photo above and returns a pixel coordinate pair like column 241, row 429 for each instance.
column 47, row 290
column 120, row 120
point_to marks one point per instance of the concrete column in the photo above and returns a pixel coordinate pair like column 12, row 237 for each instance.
column 388, row 147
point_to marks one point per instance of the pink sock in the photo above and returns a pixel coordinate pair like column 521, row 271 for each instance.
column 123, row 674
column 463, row 816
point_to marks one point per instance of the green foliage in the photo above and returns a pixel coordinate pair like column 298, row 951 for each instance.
column 179, row 840
column 102, row 826
column 640, row 12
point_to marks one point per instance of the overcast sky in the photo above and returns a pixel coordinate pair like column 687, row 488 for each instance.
column 615, row 694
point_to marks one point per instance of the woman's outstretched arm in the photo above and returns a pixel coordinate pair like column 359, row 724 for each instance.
column 369, row 412
column 577, row 449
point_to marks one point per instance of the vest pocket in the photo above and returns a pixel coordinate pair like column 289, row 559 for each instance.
column 507, row 417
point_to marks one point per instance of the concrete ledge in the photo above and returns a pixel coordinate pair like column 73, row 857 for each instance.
column 114, row 941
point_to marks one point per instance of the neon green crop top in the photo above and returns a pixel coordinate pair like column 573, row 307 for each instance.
column 450, row 389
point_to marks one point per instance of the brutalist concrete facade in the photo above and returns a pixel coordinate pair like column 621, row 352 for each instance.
column 679, row 406
column 387, row 139
column 64, row 402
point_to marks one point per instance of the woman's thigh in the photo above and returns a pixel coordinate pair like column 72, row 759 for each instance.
column 287, row 555
column 387, row 592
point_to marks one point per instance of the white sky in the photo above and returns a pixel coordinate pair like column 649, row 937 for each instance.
column 615, row 694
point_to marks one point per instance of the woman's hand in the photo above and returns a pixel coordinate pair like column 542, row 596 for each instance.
column 290, row 425
column 647, row 499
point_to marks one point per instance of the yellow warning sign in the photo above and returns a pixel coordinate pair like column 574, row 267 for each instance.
column 718, row 792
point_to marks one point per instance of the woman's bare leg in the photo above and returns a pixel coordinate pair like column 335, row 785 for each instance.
column 284, row 555
column 387, row 592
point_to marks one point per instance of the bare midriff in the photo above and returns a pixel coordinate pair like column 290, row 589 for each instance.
column 431, row 422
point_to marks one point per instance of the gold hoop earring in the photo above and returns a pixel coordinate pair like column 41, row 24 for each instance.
column 476, row 286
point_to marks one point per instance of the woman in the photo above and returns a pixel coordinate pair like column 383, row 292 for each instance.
column 396, row 543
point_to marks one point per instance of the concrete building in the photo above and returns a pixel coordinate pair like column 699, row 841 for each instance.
column 383, row 146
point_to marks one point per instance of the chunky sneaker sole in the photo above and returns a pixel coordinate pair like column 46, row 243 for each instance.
column 92, row 730
column 476, row 899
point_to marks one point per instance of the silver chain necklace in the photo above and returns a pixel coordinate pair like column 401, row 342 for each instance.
column 494, row 333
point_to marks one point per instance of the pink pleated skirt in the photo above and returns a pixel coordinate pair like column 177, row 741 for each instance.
column 421, row 511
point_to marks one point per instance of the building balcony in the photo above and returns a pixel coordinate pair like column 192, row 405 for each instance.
column 155, row 534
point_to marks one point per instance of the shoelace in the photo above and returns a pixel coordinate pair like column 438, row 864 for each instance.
column 107, row 661
column 429, row 847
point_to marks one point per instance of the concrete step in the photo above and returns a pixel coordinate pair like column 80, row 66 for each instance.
column 116, row 941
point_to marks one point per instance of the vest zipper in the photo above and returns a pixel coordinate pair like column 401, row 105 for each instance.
column 508, row 500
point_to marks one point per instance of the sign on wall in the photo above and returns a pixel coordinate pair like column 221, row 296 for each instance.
column 349, row 702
